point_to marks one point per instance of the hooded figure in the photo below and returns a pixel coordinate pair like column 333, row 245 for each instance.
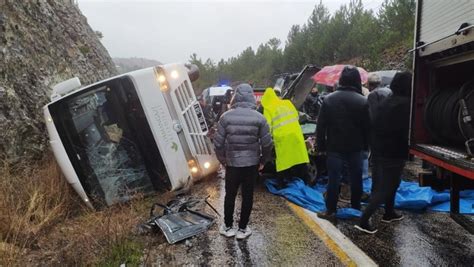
column 342, row 133
column 243, row 138
column 311, row 104
column 343, row 122
column 350, row 79
column 389, row 146
column 290, row 148
column 390, row 124
column 243, row 144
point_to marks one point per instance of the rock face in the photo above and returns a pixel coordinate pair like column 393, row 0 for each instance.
column 42, row 42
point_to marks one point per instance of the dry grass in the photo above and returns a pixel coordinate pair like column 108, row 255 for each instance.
column 42, row 221
column 92, row 237
column 32, row 199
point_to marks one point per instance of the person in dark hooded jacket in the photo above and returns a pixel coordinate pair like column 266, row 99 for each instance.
column 312, row 104
column 243, row 144
column 342, row 133
column 389, row 146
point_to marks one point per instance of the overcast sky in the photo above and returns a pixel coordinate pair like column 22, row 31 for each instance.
column 170, row 31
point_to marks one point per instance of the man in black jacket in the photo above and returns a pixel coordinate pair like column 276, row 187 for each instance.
column 342, row 133
column 243, row 144
column 389, row 146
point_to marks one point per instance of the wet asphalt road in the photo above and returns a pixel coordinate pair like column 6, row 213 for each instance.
column 278, row 238
column 421, row 239
column 281, row 238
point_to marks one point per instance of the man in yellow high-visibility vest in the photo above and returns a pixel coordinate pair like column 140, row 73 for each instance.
column 290, row 148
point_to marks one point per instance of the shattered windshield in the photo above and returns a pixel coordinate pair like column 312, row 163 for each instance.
column 107, row 130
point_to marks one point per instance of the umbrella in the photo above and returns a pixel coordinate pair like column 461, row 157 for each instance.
column 329, row 75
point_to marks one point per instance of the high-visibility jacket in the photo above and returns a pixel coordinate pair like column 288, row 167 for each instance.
column 282, row 117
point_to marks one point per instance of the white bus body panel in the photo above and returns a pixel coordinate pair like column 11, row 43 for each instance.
column 161, row 124
column 63, row 159
column 186, row 105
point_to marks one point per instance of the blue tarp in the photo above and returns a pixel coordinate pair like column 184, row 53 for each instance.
column 409, row 196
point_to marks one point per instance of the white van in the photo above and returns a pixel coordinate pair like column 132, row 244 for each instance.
column 216, row 97
column 133, row 133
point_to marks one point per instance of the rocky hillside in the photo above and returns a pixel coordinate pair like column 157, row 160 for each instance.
column 396, row 57
column 134, row 63
column 41, row 43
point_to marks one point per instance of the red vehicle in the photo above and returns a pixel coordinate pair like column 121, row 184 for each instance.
column 442, row 112
column 258, row 92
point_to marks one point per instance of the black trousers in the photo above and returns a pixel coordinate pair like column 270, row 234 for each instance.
column 234, row 177
column 386, row 174
column 299, row 170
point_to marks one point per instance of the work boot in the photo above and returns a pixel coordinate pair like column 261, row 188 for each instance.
column 392, row 217
column 328, row 215
column 226, row 231
column 243, row 233
column 366, row 228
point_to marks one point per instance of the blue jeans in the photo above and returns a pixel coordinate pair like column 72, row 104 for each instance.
column 365, row 168
column 335, row 165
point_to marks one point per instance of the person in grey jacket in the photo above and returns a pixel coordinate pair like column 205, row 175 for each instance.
column 243, row 144
column 377, row 93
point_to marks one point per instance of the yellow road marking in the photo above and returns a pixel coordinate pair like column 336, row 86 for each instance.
column 335, row 248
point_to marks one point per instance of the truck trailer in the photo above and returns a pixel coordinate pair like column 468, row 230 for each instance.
column 134, row 133
column 442, row 110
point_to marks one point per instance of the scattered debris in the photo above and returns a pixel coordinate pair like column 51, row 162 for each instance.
column 180, row 219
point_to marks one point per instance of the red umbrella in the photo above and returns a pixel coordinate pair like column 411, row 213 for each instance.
column 329, row 75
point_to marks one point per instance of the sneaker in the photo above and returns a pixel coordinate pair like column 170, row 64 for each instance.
column 330, row 216
column 226, row 231
column 243, row 233
column 366, row 228
column 392, row 217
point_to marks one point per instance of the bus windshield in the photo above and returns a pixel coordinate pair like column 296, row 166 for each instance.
column 110, row 142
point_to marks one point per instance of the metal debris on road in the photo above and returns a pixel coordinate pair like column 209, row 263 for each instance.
column 180, row 219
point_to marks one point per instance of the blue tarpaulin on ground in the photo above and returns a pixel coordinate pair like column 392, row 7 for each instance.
column 409, row 196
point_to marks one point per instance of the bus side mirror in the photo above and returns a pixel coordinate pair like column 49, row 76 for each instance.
column 193, row 72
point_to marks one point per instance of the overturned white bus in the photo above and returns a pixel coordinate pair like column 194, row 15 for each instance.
column 137, row 132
